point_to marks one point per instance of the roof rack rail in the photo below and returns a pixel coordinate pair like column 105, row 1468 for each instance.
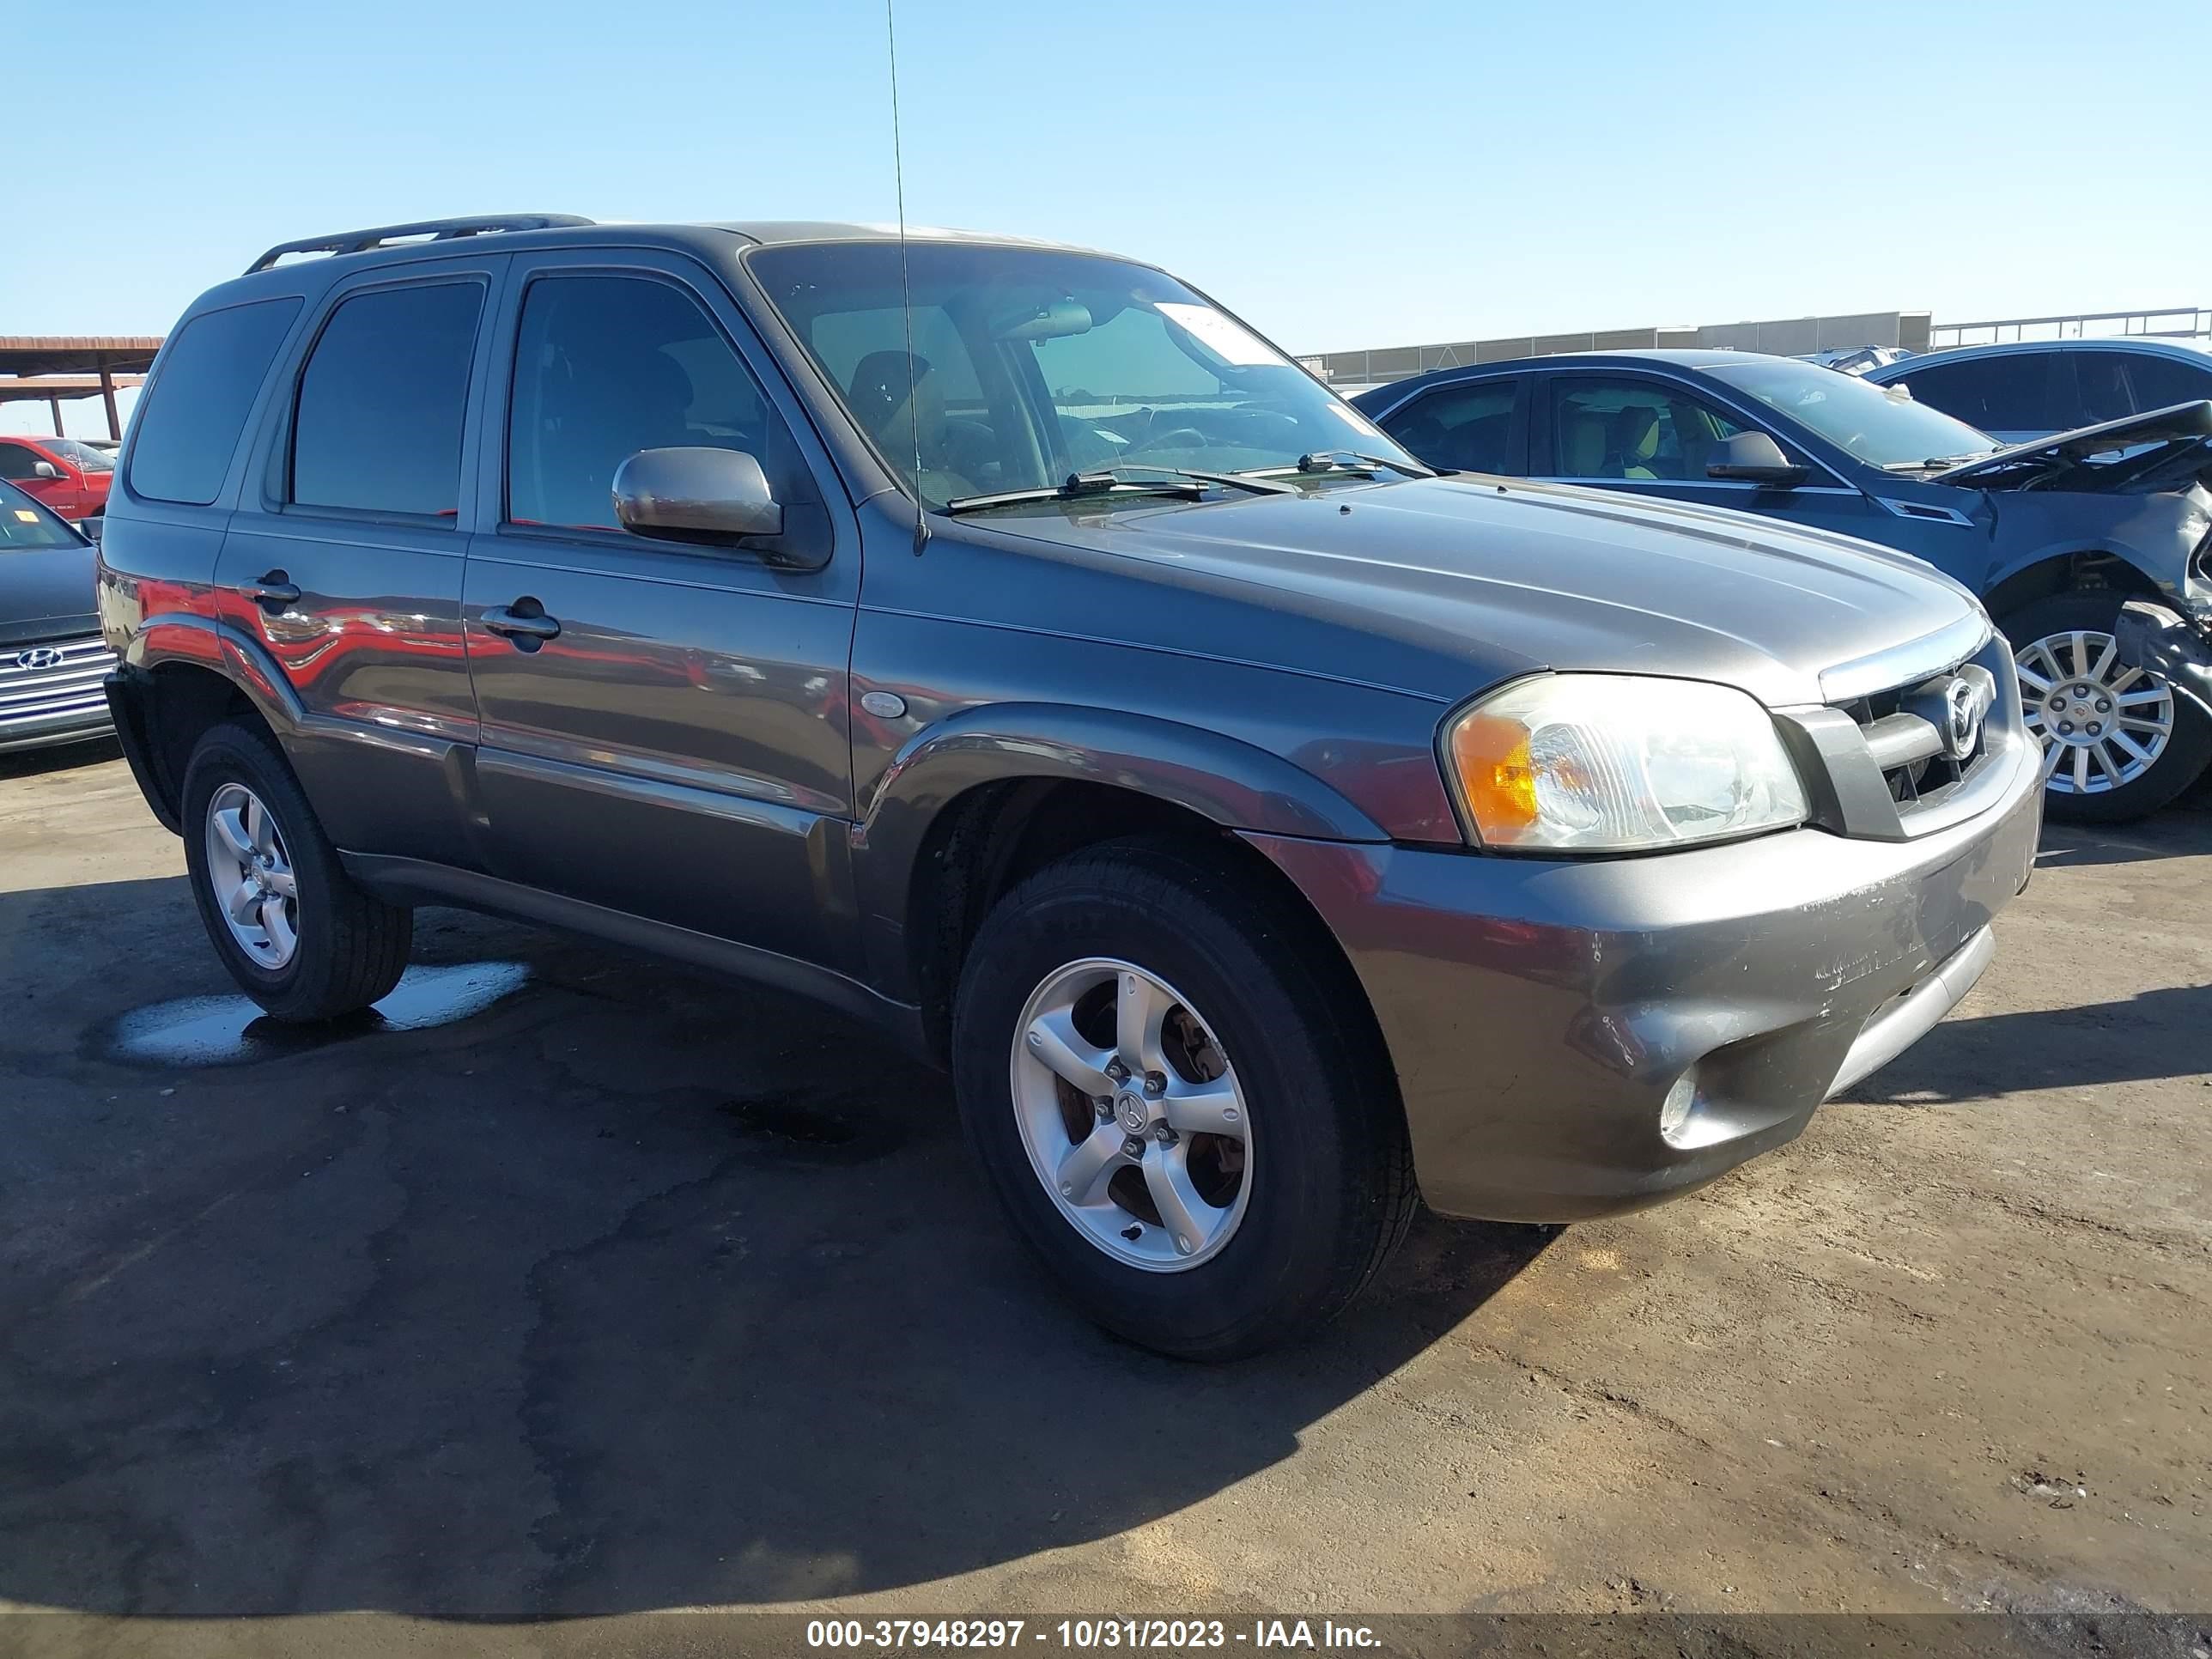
column 437, row 230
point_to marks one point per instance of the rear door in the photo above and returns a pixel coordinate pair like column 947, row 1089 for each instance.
column 664, row 724
column 345, row 557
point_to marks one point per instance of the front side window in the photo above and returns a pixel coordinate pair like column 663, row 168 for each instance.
column 194, row 412
column 607, row 365
column 1025, row 365
column 378, row 425
column 1633, row 430
column 19, row 461
column 2162, row 382
column 1468, row 428
column 1873, row 424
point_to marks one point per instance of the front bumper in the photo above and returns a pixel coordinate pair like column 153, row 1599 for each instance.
column 54, row 731
column 2170, row 646
column 1538, row 1012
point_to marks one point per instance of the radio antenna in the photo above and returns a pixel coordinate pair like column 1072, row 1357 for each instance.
column 906, row 288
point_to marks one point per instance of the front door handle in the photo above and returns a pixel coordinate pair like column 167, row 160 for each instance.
column 525, row 622
column 273, row 591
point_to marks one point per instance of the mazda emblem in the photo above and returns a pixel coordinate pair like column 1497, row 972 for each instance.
column 1963, row 721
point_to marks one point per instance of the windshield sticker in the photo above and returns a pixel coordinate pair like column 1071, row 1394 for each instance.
column 27, row 515
column 1229, row 341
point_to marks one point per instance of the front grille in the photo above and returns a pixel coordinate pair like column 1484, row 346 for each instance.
column 1902, row 732
column 43, row 685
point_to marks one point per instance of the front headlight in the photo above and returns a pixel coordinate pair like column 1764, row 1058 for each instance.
column 1618, row 762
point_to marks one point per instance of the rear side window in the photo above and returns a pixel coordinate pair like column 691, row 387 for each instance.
column 2010, row 394
column 2100, row 387
column 378, row 425
column 1465, row 427
column 195, row 412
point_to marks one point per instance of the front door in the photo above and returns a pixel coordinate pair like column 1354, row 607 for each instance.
column 47, row 482
column 344, row 558
column 664, row 724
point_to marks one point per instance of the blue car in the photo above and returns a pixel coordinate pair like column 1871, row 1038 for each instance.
column 2055, row 535
column 2033, row 388
column 52, row 658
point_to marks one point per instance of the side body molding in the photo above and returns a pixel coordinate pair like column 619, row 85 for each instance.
column 1235, row 784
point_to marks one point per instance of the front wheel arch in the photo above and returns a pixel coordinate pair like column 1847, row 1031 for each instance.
column 2086, row 570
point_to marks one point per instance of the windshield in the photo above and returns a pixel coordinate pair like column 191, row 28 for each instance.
column 1879, row 427
column 24, row 524
column 81, row 455
column 1026, row 366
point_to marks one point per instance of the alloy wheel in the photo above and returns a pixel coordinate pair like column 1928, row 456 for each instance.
column 1131, row 1115
column 2102, row 724
column 250, row 873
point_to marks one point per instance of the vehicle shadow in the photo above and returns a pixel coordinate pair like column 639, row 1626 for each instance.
column 2163, row 1033
column 2182, row 830
column 616, row 1290
column 32, row 762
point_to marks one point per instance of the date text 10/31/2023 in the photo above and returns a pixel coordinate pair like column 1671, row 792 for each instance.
column 1083, row 1635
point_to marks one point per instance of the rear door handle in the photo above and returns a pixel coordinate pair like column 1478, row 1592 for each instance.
column 525, row 622
column 275, row 589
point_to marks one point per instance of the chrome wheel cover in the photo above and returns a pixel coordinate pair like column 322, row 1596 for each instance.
column 250, row 874
column 1131, row 1115
column 2101, row 723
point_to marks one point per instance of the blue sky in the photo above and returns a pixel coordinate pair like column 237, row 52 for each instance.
column 1341, row 175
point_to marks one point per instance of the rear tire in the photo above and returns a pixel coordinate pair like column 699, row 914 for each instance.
column 298, row 936
column 2061, row 639
column 1323, row 1186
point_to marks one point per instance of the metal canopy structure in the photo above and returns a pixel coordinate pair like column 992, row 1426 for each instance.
column 57, row 368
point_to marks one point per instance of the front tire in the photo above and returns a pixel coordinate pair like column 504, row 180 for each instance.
column 2118, row 743
column 298, row 936
column 1178, row 1095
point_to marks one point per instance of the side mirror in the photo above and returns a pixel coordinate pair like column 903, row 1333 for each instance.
column 45, row 469
column 1754, row 458
column 696, row 495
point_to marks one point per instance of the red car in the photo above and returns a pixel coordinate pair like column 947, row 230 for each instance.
column 67, row 477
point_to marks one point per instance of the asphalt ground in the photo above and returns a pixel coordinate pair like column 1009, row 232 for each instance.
column 572, row 1290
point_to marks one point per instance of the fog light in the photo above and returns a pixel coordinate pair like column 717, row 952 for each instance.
column 1674, row 1110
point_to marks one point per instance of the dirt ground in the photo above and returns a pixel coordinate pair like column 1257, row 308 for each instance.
column 579, row 1289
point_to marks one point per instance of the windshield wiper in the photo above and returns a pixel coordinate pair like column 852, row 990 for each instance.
column 1251, row 483
column 1080, row 486
column 1935, row 461
column 1353, row 462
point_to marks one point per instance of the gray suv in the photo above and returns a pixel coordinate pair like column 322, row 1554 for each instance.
column 1002, row 643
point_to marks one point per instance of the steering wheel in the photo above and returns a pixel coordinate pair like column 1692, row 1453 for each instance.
column 1188, row 437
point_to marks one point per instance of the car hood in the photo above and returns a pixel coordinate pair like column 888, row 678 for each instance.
column 2062, row 460
column 1447, row 586
column 45, row 592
